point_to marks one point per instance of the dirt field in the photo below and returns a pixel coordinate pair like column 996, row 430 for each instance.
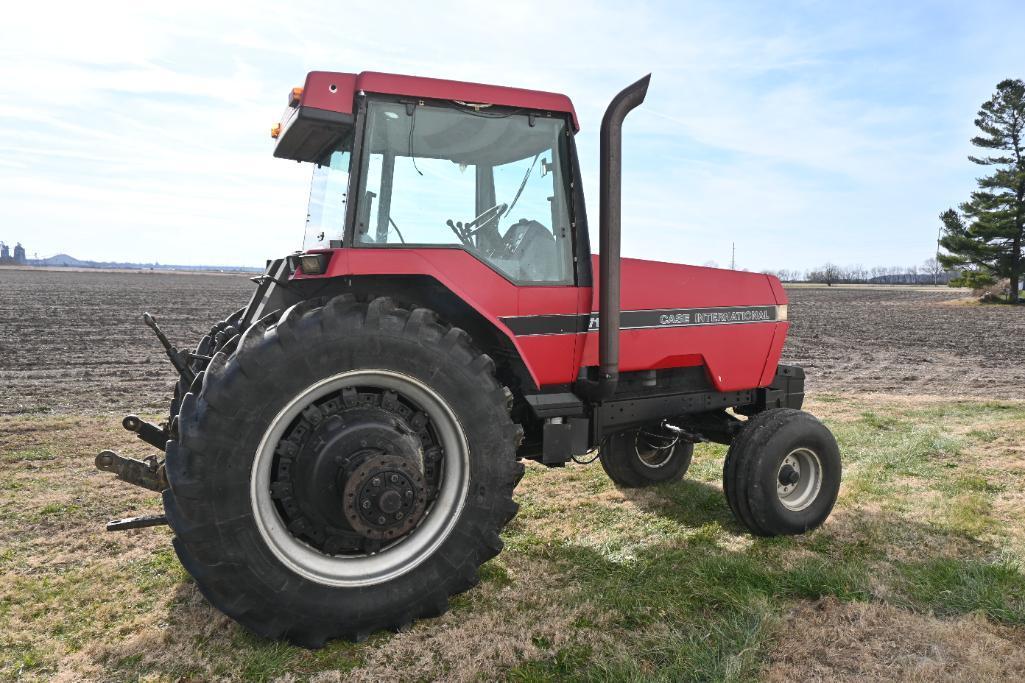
column 906, row 340
column 74, row 341
column 918, row 574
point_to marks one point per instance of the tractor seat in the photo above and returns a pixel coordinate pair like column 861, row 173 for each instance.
column 533, row 249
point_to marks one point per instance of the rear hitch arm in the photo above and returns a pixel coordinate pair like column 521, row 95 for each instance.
column 149, row 473
column 147, row 431
column 179, row 360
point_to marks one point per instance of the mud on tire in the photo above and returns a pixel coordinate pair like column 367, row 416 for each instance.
column 224, row 540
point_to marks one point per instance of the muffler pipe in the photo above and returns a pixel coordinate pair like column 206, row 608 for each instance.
column 609, row 232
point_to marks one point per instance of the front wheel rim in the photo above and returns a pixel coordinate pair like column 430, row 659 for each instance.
column 391, row 561
column 799, row 479
column 654, row 451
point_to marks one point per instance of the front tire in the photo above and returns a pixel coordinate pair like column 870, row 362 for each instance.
column 346, row 469
column 782, row 473
column 645, row 457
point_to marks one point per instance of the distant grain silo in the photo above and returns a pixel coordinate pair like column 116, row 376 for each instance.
column 5, row 253
column 19, row 254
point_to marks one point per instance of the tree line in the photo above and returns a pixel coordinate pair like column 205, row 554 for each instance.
column 929, row 271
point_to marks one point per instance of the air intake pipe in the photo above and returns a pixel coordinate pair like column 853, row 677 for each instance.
column 610, row 208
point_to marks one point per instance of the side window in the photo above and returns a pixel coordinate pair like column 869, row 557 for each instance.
column 537, row 227
column 325, row 215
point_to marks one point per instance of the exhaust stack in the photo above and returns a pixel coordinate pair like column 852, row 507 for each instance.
column 610, row 208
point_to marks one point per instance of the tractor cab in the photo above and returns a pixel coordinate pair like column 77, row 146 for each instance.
column 493, row 180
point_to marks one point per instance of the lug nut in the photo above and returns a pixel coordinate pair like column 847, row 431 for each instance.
column 381, row 520
column 376, row 481
column 398, row 515
column 366, row 505
column 409, row 494
column 395, row 479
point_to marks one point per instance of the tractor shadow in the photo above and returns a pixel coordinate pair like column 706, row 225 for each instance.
column 687, row 502
column 724, row 576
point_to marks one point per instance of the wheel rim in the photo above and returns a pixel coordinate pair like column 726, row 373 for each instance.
column 654, row 451
column 799, row 479
column 393, row 559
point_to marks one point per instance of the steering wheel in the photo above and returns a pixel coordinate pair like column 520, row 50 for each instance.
column 464, row 231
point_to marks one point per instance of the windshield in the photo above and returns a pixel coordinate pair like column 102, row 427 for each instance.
column 491, row 183
column 325, row 215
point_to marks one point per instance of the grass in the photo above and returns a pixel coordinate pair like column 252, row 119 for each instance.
column 951, row 586
column 925, row 548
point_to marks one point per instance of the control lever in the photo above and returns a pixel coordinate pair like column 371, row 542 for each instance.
column 178, row 359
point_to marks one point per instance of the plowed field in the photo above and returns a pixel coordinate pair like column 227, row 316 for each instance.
column 74, row 341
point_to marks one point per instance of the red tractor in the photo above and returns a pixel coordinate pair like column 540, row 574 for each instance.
column 341, row 453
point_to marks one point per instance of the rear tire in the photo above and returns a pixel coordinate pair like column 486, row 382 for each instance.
column 782, row 473
column 645, row 457
column 220, row 334
column 261, row 550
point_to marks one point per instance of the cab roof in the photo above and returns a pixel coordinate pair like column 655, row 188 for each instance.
column 335, row 92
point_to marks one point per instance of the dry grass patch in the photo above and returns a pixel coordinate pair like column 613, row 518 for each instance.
column 828, row 640
column 529, row 614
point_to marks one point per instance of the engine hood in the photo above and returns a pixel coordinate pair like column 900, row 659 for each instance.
column 651, row 285
column 673, row 315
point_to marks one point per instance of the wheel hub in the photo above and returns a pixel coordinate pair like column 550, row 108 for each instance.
column 345, row 557
column 788, row 475
column 385, row 497
column 799, row 479
column 353, row 475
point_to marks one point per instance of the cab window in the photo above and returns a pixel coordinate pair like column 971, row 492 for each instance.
column 491, row 183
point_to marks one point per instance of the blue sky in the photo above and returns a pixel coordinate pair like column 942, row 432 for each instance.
column 803, row 131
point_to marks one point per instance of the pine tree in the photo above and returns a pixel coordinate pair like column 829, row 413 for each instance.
column 986, row 235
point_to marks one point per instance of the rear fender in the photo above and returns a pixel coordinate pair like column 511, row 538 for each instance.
column 425, row 291
column 277, row 289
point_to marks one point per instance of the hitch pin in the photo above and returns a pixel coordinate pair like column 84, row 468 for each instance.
column 680, row 432
column 178, row 360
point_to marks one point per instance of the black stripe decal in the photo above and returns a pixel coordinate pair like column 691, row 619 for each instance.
column 527, row 325
column 531, row 325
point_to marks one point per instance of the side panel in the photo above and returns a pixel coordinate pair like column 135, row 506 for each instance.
column 550, row 355
column 549, row 359
column 775, row 352
column 737, row 355
column 680, row 315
